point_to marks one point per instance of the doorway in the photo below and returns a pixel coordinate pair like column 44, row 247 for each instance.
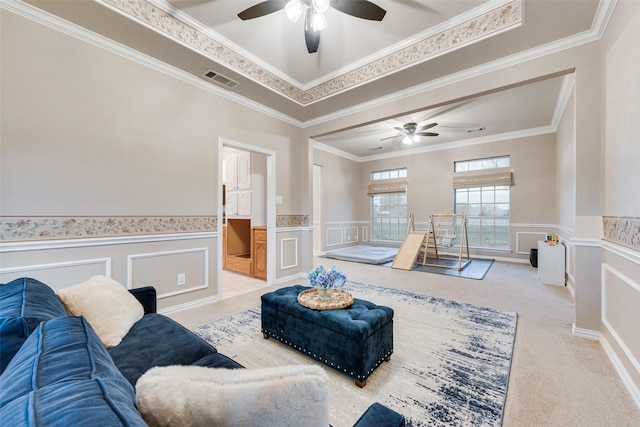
column 246, row 207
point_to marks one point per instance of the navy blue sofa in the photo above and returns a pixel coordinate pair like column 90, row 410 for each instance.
column 56, row 371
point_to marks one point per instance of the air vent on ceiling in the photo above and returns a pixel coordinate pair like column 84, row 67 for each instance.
column 220, row 79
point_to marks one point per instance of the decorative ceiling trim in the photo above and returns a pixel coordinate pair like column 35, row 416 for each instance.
column 524, row 133
column 487, row 24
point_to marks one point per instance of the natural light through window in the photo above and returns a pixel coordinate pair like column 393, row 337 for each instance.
column 388, row 192
column 486, row 206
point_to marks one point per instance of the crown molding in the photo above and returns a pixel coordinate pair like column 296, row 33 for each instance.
column 430, row 33
column 336, row 151
column 603, row 15
column 508, row 15
column 56, row 23
column 542, row 130
column 604, row 12
column 563, row 98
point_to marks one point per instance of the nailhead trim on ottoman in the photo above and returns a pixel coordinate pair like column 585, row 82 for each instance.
column 354, row 340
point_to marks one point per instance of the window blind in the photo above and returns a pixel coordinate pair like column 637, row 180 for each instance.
column 387, row 187
column 483, row 178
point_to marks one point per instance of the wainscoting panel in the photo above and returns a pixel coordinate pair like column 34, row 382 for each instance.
column 620, row 320
column 526, row 240
column 288, row 253
column 334, row 237
column 170, row 272
column 351, row 234
column 60, row 274
column 365, row 234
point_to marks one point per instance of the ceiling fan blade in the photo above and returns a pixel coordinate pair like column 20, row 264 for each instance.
column 400, row 129
column 425, row 127
column 312, row 39
column 427, row 133
column 390, row 137
column 261, row 9
column 360, row 9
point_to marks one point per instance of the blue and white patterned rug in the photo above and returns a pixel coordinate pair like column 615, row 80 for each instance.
column 450, row 365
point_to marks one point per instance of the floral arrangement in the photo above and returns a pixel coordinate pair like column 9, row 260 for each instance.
column 324, row 278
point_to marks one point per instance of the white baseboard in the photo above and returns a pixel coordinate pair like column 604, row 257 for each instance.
column 588, row 334
column 189, row 305
column 631, row 387
column 285, row 279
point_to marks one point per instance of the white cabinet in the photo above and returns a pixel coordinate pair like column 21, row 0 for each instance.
column 244, row 203
column 231, row 208
column 237, row 171
column 244, row 170
column 237, row 179
column 551, row 263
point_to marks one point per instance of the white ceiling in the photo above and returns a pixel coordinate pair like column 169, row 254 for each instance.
column 529, row 109
column 359, row 61
column 279, row 43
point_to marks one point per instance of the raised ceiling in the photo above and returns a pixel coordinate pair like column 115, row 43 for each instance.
column 359, row 61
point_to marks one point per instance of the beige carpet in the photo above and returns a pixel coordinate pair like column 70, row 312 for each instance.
column 556, row 379
column 458, row 376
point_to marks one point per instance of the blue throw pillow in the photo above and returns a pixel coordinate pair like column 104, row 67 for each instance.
column 64, row 375
column 24, row 303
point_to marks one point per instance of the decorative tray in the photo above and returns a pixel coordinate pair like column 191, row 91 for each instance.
column 337, row 298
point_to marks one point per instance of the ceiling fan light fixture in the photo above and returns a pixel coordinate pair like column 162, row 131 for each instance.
column 318, row 22
column 321, row 6
column 407, row 140
column 294, row 9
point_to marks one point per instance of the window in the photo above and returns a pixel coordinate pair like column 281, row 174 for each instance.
column 388, row 191
column 481, row 191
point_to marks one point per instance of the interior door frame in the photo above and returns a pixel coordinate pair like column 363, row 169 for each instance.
column 317, row 209
column 271, row 205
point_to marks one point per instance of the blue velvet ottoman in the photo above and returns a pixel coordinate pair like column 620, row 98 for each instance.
column 353, row 341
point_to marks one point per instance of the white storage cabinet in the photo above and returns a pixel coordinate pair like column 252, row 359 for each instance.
column 551, row 263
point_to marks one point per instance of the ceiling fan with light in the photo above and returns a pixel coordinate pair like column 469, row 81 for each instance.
column 411, row 132
column 314, row 10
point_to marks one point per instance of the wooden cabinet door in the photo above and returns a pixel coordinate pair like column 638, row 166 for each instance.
column 224, row 246
column 260, row 260
column 259, row 253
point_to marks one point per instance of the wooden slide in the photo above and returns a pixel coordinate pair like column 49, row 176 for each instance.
column 409, row 250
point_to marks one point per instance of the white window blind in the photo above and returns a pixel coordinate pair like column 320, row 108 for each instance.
column 482, row 178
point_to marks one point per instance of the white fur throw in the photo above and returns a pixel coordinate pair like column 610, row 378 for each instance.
column 180, row 396
column 107, row 305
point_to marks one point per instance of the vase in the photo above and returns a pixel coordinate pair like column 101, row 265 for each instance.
column 324, row 294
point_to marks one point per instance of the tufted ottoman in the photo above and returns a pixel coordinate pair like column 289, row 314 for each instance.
column 353, row 341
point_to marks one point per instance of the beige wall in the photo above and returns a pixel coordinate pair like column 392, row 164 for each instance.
column 87, row 132
column 430, row 184
column 565, row 168
column 622, row 104
column 341, row 183
column 621, row 151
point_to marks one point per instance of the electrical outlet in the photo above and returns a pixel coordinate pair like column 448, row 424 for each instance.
column 182, row 279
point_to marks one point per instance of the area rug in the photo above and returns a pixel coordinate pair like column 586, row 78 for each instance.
column 450, row 365
column 364, row 254
column 476, row 269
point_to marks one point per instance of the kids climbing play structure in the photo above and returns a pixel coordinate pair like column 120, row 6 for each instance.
column 422, row 246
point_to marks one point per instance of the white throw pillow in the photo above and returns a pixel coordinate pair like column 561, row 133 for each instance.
column 180, row 396
column 107, row 305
